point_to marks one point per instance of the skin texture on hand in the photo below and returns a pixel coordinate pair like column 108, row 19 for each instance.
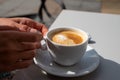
column 18, row 42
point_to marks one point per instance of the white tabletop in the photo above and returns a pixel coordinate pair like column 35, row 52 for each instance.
column 105, row 30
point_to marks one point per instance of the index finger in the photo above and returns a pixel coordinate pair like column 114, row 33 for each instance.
column 33, row 24
column 22, row 36
column 6, row 27
column 28, row 37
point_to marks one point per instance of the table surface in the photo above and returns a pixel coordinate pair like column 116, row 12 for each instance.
column 104, row 29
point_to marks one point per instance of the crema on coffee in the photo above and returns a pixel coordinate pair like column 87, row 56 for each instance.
column 67, row 38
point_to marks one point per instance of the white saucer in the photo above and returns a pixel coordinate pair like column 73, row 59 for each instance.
column 89, row 63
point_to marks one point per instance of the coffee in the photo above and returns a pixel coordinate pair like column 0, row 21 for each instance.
column 67, row 37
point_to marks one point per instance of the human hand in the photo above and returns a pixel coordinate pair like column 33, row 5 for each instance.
column 18, row 42
column 24, row 24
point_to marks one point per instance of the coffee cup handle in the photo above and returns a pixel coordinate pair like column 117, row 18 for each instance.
column 43, row 44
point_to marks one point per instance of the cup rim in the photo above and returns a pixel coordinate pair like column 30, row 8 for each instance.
column 71, row 28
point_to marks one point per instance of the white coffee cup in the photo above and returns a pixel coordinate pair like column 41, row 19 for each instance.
column 63, row 54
